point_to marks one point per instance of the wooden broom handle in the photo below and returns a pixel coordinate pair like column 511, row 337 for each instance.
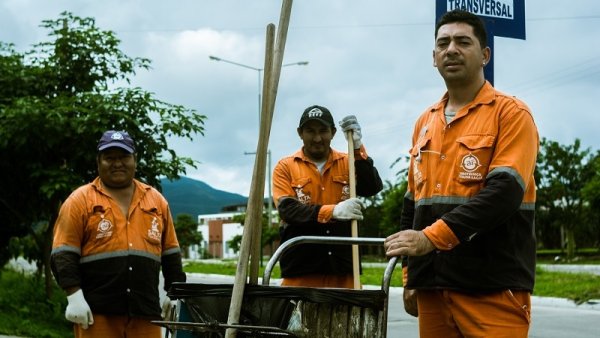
column 354, row 223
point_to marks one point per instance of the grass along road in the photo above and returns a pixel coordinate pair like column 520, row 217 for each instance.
column 580, row 283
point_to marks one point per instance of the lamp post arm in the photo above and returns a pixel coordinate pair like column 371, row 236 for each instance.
column 233, row 63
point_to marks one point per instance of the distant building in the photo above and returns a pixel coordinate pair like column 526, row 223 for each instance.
column 217, row 230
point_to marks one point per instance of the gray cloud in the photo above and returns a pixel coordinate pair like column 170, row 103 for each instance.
column 371, row 59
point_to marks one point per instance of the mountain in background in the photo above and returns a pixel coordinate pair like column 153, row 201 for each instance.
column 188, row 196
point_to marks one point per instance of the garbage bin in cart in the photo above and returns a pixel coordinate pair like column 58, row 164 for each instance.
column 271, row 311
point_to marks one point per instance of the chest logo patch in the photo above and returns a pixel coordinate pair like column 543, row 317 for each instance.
column 302, row 197
column 470, row 163
column 105, row 228
column 417, row 175
column 153, row 232
column 345, row 192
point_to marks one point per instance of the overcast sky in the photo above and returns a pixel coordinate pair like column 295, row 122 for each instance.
column 367, row 58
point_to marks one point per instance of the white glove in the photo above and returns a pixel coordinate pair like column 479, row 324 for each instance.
column 348, row 209
column 167, row 306
column 351, row 123
column 78, row 311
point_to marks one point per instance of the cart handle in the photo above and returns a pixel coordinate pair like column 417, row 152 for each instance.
column 387, row 275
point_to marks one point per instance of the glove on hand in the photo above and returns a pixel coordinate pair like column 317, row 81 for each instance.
column 348, row 209
column 167, row 306
column 351, row 123
column 78, row 311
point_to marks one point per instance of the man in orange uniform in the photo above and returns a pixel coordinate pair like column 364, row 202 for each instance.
column 110, row 240
column 312, row 193
column 467, row 227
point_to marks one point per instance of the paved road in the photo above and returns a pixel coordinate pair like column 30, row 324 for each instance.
column 551, row 317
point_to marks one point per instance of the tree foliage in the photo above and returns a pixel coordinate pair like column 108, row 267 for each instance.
column 591, row 194
column 187, row 232
column 392, row 198
column 391, row 208
column 562, row 172
column 268, row 234
column 56, row 100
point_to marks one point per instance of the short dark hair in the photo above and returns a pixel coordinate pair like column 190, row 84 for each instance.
column 469, row 18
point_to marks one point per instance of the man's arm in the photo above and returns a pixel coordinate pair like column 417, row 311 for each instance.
column 292, row 211
column 66, row 244
column 172, row 268
column 368, row 182
column 170, row 259
column 65, row 267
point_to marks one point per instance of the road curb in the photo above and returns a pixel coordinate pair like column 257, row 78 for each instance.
column 592, row 304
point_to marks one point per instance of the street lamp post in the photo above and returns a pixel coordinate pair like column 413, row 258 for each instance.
column 259, row 70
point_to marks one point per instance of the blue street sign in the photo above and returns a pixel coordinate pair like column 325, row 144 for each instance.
column 505, row 18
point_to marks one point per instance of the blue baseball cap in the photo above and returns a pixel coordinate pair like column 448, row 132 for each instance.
column 120, row 139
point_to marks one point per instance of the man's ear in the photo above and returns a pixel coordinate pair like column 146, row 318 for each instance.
column 299, row 131
column 487, row 55
column 333, row 130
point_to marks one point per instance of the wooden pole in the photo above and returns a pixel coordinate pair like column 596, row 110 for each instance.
column 255, row 202
column 354, row 223
column 265, row 118
column 273, row 65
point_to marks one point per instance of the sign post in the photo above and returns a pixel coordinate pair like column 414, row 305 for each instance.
column 505, row 18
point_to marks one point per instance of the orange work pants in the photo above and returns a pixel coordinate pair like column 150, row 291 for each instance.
column 451, row 314
column 118, row 327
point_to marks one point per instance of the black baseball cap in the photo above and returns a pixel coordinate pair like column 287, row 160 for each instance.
column 317, row 113
column 120, row 139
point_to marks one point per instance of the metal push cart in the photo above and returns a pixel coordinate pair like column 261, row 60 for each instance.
column 272, row 311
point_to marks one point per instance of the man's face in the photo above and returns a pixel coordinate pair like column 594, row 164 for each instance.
column 458, row 55
column 116, row 167
column 317, row 139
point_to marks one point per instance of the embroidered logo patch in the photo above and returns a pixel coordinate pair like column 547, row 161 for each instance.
column 470, row 163
column 104, row 228
column 153, row 232
column 117, row 136
column 315, row 112
column 345, row 192
column 417, row 175
column 302, row 197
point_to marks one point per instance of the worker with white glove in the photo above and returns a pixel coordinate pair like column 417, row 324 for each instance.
column 113, row 238
column 78, row 311
column 311, row 190
column 351, row 123
column 167, row 306
column 348, row 209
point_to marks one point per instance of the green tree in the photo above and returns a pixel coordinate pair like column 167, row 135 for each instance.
column 55, row 102
column 562, row 171
column 391, row 208
column 187, row 232
column 268, row 234
column 392, row 199
column 235, row 243
column 591, row 194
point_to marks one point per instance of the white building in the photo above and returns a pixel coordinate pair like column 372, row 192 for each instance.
column 217, row 230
